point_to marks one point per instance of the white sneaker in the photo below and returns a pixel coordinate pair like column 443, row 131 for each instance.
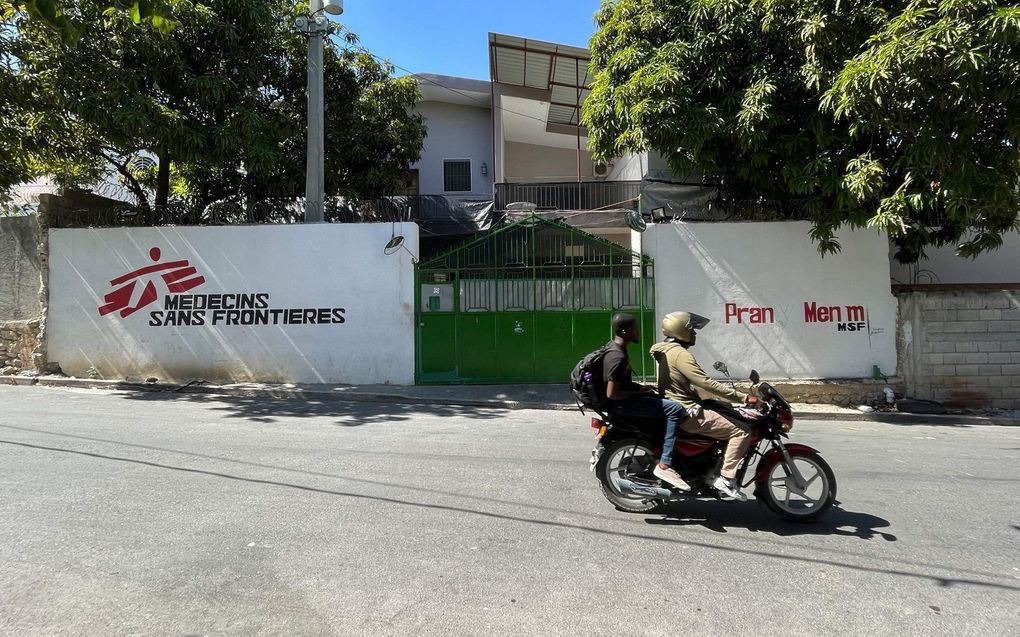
column 729, row 489
column 671, row 477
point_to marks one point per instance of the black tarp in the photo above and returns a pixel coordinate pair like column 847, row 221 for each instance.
column 665, row 199
column 437, row 215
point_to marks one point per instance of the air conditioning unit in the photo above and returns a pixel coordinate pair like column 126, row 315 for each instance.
column 600, row 169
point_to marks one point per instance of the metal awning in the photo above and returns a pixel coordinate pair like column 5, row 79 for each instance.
column 561, row 70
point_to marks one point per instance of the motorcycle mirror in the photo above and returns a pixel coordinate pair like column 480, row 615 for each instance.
column 721, row 367
column 755, row 377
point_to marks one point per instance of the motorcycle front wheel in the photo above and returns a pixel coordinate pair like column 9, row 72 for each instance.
column 780, row 494
column 627, row 459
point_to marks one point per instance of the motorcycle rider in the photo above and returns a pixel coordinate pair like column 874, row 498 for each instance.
column 680, row 377
column 633, row 399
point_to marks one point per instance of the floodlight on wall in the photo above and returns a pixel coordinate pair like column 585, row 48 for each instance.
column 333, row 7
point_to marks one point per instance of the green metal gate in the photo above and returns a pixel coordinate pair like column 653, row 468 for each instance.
column 524, row 302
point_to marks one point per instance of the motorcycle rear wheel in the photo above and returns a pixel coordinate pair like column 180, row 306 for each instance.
column 626, row 458
column 781, row 496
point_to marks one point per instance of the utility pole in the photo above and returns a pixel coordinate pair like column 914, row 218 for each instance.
column 314, row 172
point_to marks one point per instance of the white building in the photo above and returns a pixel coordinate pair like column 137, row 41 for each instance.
column 517, row 140
column 456, row 160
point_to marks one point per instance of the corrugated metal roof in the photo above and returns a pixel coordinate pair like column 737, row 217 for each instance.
column 560, row 69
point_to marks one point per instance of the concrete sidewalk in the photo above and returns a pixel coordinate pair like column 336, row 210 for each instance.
column 506, row 397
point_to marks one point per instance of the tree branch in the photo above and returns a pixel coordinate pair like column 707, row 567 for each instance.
column 132, row 183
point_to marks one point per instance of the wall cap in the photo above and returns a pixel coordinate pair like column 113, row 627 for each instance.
column 899, row 288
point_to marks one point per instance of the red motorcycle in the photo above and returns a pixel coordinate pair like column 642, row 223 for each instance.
column 791, row 479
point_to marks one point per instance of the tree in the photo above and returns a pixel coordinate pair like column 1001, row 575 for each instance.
column 62, row 19
column 895, row 115
column 218, row 102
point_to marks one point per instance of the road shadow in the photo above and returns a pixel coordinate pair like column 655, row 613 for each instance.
column 937, row 420
column 918, row 572
column 268, row 409
column 720, row 516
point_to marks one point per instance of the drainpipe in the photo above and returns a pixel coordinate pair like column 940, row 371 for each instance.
column 577, row 101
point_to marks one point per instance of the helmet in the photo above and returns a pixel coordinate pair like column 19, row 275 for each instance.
column 681, row 325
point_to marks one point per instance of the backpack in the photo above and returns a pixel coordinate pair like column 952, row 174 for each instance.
column 586, row 382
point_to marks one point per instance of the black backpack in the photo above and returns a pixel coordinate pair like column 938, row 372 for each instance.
column 586, row 382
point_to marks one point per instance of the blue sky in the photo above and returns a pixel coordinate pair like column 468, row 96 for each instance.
column 449, row 37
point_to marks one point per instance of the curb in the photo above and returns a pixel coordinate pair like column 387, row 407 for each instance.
column 286, row 393
column 18, row 380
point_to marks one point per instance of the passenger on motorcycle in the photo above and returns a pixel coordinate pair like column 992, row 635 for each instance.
column 680, row 377
column 642, row 401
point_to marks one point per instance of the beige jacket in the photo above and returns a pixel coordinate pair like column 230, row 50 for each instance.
column 680, row 377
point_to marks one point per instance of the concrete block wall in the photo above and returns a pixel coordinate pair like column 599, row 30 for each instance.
column 960, row 344
column 78, row 209
column 18, row 343
column 22, row 270
column 24, row 273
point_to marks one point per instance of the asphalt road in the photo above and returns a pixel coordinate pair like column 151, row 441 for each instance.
column 173, row 514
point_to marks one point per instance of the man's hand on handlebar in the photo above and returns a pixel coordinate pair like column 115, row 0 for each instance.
column 751, row 401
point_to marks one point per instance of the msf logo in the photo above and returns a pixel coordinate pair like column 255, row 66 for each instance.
column 138, row 289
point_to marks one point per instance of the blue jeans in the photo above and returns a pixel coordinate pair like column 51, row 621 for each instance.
column 654, row 407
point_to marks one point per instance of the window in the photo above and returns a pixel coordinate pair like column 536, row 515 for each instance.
column 457, row 175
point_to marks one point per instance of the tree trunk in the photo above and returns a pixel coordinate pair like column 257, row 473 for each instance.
column 163, row 181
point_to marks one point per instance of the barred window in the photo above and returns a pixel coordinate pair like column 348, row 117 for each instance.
column 457, row 175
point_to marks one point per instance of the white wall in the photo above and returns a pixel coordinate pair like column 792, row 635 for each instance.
column 327, row 266
column 775, row 266
column 630, row 167
column 943, row 266
column 530, row 163
column 455, row 132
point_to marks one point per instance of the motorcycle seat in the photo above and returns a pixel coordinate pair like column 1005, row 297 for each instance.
column 727, row 410
column 653, row 425
column 636, row 422
column 686, row 435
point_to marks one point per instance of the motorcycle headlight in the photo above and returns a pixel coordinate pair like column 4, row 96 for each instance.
column 785, row 416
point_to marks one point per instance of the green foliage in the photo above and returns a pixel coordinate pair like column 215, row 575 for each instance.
column 62, row 17
column 897, row 115
column 219, row 102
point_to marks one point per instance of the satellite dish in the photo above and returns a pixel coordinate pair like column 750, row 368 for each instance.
column 635, row 221
column 141, row 162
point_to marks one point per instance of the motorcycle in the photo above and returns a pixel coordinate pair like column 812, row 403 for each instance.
column 790, row 479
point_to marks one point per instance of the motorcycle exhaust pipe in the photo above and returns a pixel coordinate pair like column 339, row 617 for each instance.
column 634, row 488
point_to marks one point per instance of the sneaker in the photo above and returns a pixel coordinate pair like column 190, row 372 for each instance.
column 729, row 489
column 671, row 477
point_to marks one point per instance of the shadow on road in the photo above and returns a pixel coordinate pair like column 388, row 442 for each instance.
column 351, row 414
column 546, row 522
column 720, row 516
column 907, row 419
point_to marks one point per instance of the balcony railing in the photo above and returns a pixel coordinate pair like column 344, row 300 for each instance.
column 585, row 195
